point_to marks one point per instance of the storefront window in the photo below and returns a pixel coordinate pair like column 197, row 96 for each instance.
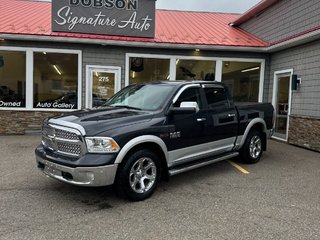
column 148, row 69
column 243, row 80
column 55, row 81
column 12, row 79
column 102, row 87
column 195, row 70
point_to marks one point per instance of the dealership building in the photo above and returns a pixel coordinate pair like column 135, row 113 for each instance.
column 62, row 55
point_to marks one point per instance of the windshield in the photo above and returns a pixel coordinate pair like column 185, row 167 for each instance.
column 144, row 97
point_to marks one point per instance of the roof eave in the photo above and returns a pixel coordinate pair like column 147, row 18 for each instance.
column 299, row 40
column 120, row 43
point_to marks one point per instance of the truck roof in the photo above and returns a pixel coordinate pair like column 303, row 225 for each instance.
column 185, row 82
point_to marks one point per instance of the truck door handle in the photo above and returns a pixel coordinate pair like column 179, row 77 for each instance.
column 231, row 115
column 201, row 119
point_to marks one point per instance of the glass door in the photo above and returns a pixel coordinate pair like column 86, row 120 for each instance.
column 281, row 102
column 102, row 84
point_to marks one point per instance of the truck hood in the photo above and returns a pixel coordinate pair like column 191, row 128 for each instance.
column 95, row 121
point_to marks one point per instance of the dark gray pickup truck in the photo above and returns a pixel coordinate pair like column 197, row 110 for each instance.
column 149, row 132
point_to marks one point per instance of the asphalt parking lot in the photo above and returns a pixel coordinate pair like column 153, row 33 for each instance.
column 279, row 199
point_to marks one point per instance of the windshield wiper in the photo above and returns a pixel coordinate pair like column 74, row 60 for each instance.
column 126, row 106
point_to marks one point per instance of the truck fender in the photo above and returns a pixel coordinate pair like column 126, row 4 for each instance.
column 240, row 141
column 140, row 140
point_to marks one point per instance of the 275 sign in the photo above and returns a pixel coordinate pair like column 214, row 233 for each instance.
column 104, row 79
column 134, row 18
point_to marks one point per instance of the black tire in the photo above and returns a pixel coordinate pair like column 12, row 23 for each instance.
column 251, row 151
column 138, row 175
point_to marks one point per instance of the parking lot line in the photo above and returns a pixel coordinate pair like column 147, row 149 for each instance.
column 241, row 169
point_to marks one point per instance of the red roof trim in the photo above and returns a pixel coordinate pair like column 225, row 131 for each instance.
column 296, row 35
column 254, row 11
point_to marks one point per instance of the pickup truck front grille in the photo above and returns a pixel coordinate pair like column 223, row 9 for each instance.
column 62, row 140
column 69, row 148
column 66, row 135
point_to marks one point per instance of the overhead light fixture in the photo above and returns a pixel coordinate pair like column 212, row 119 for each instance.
column 57, row 69
column 133, row 74
column 250, row 69
column 45, row 53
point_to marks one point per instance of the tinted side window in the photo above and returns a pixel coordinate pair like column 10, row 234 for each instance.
column 216, row 98
column 189, row 95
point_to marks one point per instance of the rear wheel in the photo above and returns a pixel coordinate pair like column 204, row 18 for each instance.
column 252, row 149
column 139, row 175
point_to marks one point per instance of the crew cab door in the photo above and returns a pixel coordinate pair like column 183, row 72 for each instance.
column 222, row 119
column 189, row 136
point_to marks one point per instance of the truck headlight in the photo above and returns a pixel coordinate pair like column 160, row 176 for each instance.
column 102, row 145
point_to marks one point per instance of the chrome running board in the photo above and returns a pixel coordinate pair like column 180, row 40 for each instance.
column 190, row 166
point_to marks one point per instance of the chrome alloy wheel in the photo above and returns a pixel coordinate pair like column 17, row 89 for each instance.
column 255, row 147
column 143, row 175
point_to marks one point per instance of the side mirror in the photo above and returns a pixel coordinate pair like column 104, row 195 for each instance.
column 186, row 108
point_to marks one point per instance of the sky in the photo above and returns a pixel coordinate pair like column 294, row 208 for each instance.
column 226, row 6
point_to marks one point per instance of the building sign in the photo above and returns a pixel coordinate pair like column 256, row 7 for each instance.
column 55, row 105
column 135, row 18
column 11, row 104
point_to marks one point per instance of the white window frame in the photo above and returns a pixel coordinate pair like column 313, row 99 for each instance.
column 250, row 60
column 109, row 69
column 219, row 66
column 29, row 76
column 276, row 76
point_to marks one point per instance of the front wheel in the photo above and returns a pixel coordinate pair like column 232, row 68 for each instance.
column 252, row 149
column 139, row 175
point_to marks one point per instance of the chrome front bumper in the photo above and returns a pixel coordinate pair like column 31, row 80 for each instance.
column 80, row 176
